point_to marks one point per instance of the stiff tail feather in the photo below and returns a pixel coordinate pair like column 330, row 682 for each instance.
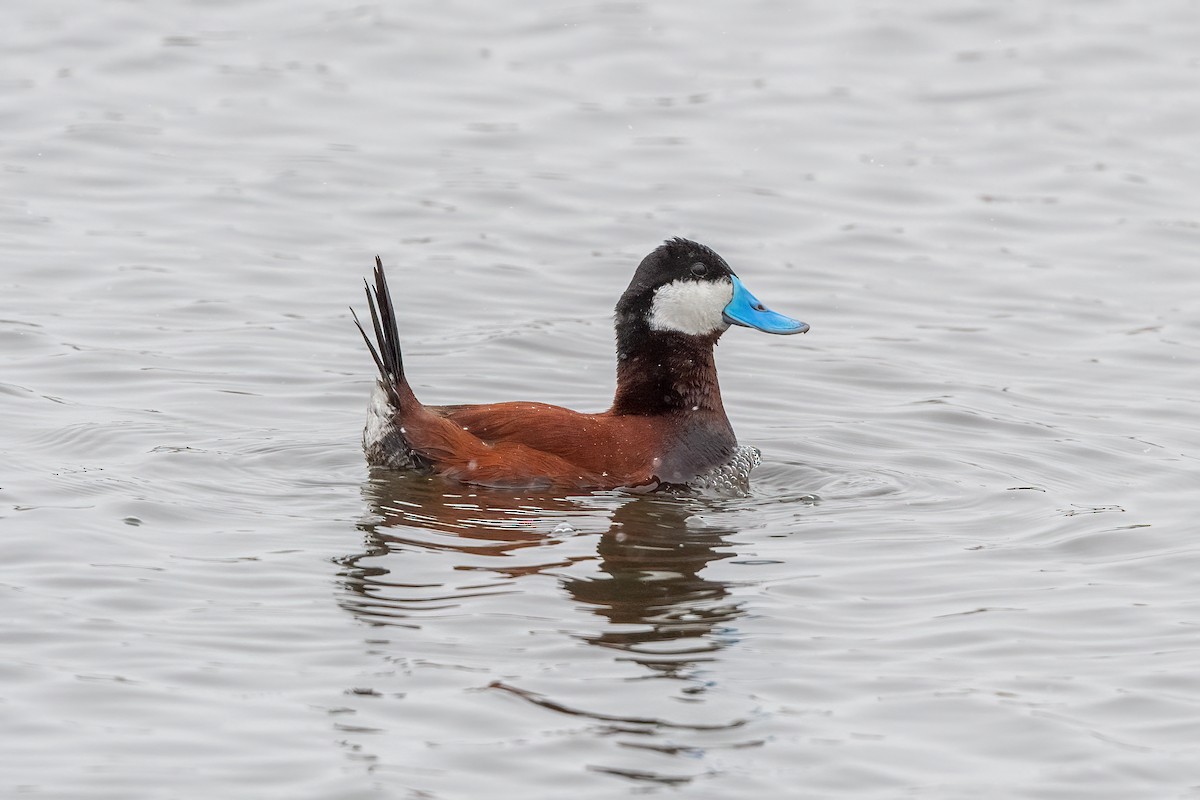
column 383, row 320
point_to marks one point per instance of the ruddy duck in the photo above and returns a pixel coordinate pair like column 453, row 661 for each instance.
column 666, row 428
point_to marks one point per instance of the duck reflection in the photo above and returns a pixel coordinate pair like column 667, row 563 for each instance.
column 646, row 581
column 665, row 614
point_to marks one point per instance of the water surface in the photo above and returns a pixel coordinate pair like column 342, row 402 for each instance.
column 968, row 565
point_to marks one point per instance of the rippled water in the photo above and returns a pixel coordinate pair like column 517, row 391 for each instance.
column 969, row 564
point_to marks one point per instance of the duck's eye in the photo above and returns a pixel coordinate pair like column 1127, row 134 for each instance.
column 699, row 270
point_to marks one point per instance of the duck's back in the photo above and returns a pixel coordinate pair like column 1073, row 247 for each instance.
column 596, row 442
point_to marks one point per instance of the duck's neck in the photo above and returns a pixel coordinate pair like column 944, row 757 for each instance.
column 662, row 372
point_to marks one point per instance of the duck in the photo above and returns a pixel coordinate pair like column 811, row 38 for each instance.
column 666, row 428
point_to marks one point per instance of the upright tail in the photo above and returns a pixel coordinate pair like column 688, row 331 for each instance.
column 387, row 335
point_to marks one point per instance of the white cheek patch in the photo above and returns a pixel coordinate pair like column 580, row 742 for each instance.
column 691, row 307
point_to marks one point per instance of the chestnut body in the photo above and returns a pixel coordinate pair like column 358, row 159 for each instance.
column 666, row 426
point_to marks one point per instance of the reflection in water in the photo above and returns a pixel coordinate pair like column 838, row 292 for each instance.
column 650, row 553
column 477, row 527
column 641, row 583
column 650, row 560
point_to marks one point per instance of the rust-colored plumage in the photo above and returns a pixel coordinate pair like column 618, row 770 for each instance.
column 667, row 423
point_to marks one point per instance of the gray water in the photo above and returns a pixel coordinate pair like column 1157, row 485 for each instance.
column 969, row 563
